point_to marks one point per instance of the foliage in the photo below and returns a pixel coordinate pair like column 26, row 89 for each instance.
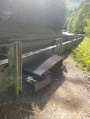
column 82, row 54
column 72, row 7
column 87, row 28
column 78, row 23
column 69, row 26
column 30, row 80
column 12, row 82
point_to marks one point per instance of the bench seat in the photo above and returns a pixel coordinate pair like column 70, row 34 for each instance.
column 44, row 64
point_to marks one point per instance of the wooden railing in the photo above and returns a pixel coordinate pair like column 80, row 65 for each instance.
column 14, row 56
column 12, row 64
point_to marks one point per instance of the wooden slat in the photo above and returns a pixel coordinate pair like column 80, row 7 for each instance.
column 5, row 61
column 37, row 51
column 43, row 65
column 30, row 54
column 42, row 84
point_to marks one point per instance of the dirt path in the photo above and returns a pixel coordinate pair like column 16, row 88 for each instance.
column 67, row 97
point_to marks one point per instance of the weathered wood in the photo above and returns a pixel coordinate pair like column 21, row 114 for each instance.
column 2, row 62
column 42, row 84
column 28, row 54
column 18, row 66
column 32, row 47
column 15, row 64
column 11, row 60
column 37, row 51
column 66, row 42
column 60, row 47
column 44, row 64
column 56, row 52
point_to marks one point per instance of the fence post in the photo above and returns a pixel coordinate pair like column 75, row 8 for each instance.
column 58, row 49
column 11, row 60
column 18, row 66
column 15, row 64
column 60, row 46
column 72, row 42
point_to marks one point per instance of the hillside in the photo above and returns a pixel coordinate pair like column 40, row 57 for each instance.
column 79, row 21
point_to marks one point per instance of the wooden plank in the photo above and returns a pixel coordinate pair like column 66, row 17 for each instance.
column 18, row 66
column 30, row 54
column 42, row 84
column 37, row 51
column 66, row 42
column 43, row 65
column 5, row 61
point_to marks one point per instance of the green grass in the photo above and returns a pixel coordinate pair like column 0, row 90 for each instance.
column 81, row 54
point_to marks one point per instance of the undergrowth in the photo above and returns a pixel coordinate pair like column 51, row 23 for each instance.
column 82, row 54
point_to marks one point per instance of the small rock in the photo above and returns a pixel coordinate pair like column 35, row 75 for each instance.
column 68, row 100
column 89, row 87
column 80, row 113
column 29, row 110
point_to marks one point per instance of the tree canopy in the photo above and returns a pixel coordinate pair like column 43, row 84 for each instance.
column 79, row 22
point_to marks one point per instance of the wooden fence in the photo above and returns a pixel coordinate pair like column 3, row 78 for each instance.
column 16, row 55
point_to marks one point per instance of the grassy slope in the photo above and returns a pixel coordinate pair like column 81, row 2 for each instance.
column 82, row 54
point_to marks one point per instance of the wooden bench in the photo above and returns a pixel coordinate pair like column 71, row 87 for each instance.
column 40, row 68
column 44, row 64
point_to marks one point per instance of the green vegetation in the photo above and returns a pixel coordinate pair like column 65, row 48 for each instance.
column 82, row 54
column 87, row 28
column 11, row 83
column 79, row 22
column 30, row 80
column 72, row 8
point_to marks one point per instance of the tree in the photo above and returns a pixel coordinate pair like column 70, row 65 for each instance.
column 79, row 23
column 87, row 28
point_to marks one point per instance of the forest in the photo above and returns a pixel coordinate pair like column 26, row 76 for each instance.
column 79, row 22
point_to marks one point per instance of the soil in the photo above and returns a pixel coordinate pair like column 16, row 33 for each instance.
column 67, row 97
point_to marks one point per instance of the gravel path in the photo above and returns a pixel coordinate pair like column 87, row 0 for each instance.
column 67, row 97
